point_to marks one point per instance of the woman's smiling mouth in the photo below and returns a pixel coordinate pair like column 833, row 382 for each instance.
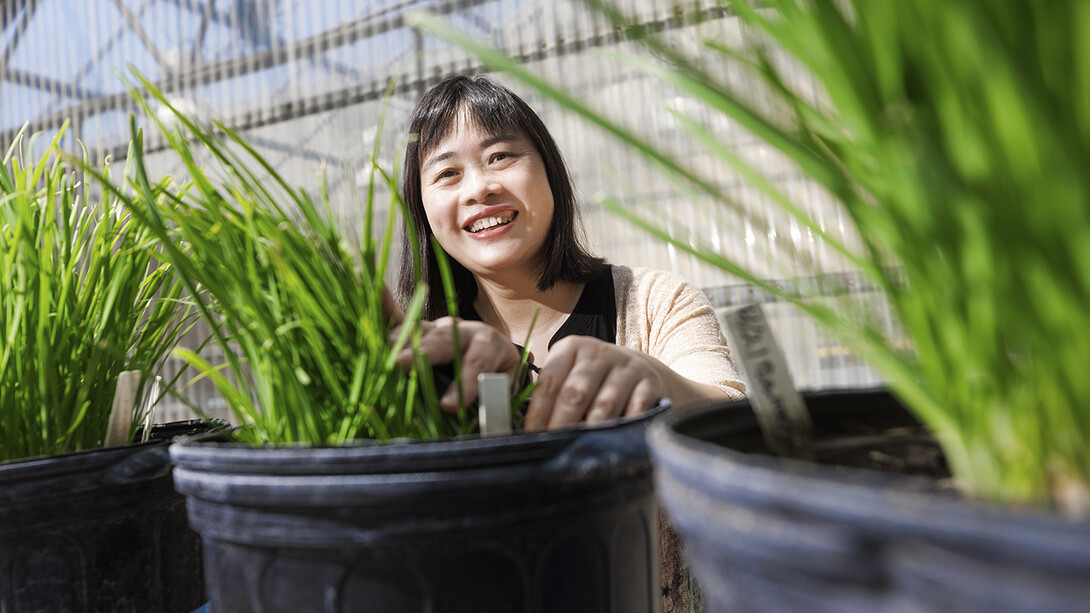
column 486, row 223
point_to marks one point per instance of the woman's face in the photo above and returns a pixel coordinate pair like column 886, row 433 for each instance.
column 487, row 199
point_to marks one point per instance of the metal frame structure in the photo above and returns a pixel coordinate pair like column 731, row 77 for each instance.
column 193, row 72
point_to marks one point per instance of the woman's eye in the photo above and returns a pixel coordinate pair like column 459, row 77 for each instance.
column 497, row 157
column 446, row 174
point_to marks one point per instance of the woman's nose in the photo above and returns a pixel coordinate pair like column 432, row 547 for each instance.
column 479, row 187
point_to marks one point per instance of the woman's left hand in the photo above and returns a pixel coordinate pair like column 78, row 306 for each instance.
column 584, row 377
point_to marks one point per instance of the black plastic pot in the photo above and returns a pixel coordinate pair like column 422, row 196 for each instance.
column 771, row 534
column 98, row 531
column 536, row 523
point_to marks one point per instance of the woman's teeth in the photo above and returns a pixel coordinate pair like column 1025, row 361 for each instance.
column 490, row 222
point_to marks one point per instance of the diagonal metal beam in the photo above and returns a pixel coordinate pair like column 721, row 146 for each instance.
column 206, row 16
column 292, row 150
column 345, row 96
column 410, row 88
column 195, row 7
column 48, row 84
column 281, row 43
column 488, row 27
column 223, row 17
column 372, row 24
column 113, row 41
column 134, row 25
column 9, row 50
column 210, row 15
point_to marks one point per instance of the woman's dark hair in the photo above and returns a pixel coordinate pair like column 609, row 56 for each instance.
column 496, row 110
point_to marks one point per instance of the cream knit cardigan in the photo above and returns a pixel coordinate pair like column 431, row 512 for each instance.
column 670, row 319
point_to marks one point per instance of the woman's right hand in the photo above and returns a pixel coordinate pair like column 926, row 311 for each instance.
column 483, row 349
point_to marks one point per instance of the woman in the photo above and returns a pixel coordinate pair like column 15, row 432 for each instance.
column 484, row 177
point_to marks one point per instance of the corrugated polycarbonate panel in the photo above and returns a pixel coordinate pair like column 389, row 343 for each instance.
column 304, row 80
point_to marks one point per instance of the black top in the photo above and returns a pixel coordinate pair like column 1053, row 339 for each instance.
column 594, row 315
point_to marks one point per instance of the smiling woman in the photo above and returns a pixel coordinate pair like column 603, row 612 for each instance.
column 485, row 179
column 487, row 199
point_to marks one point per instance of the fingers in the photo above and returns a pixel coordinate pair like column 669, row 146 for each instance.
column 611, row 403
column 645, row 395
column 588, row 379
column 405, row 357
column 583, row 378
column 482, row 349
column 550, row 382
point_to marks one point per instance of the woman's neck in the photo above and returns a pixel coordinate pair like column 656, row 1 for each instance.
column 512, row 309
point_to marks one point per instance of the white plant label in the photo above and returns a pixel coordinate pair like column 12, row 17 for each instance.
column 780, row 409
column 117, row 428
column 494, row 406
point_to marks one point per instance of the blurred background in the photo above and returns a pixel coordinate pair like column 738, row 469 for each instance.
column 304, row 81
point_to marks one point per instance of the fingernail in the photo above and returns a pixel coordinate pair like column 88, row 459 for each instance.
column 450, row 398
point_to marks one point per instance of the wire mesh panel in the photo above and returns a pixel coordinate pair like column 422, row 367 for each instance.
column 305, row 80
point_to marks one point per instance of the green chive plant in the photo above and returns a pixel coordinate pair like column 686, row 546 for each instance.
column 295, row 305
column 83, row 297
column 954, row 136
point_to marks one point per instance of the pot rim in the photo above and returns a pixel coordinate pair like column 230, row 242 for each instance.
column 90, row 460
column 876, row 503
column 205, row 453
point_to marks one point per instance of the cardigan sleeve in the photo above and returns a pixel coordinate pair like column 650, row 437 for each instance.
column 670, row 319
